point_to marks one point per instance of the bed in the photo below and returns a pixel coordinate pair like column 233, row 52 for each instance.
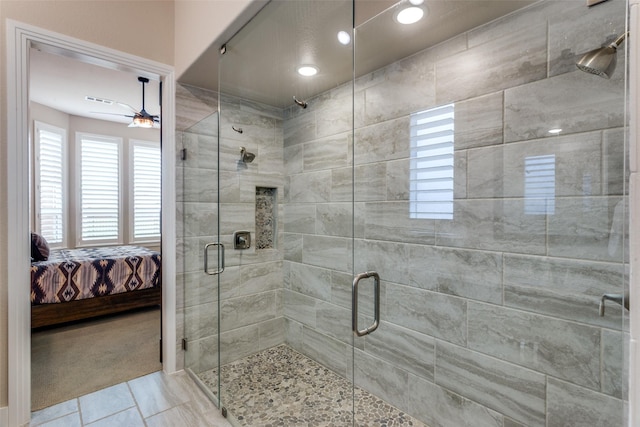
column 76, row 284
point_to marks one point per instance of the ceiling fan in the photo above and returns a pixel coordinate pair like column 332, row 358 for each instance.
column 141, row 118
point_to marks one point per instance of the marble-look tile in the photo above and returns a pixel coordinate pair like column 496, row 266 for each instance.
column 370, row 183
column 325, row 350
column 335, row 114
column 130, row 418
column 511, row 423
column 251, row 279
column 403, row 87
column 569, row 101
column 310, row 187
column 105, row 402
column 516, row 392
column 293, row 157
column 563, row 288
column 387, row 258
column 440, row 407
column 381, row 379
column 485, row 172
column 572, row 406
column 56, row 411
column 336, row 219
column 460, row 180
column 387, row 140
column 300, row 308
column 327, row 153
column 182, row 415
column 311, row 281
column 615, row 364
column 201, row 320
column 470, row 274
column 390, row 221
column 615, row 176
column 398, row 179
column 71, row 420
column 292, row 247
column 502, row 62
column 271, row 332
column 300, row 218
column 555, row 347
column 239, row 343
column 299, row 129
column 568, row 40
column 328, row 252
column 247, row 310
column 588, row 228
column 403, row 348
column 430, row 313
column 500, row 225
column 193, row 105
column 478, row 121
column 334, row 321
column 157, row 392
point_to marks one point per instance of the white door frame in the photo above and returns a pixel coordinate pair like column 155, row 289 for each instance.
column 20, row 36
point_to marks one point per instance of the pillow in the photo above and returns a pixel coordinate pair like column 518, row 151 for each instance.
column 39, row 248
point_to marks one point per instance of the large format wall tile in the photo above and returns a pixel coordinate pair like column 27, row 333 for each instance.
column 478, row 122
column 387, row 140
column 470, row 274
column 440, row 407
column 571, row 352
column 430, row 313
column 513, row 391
column 310, row 187
column 300, row 308
column 381, row 379
column 571, row 102
column 328, row 252
column 390, row 221
column 615, row 151
column 615, row 364
column 299, row 218
column 563, row 288
column 311, row 281
column 388, row 259
column 327, row 153
column 500, row 63
column 325, row 350
column 337, row 219
column 573, row 406
column 247, row 310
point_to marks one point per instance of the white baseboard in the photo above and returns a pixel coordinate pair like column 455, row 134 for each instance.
column 4, row 416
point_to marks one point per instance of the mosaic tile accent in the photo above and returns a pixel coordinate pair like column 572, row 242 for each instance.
column 265, row 217
column 281, row 387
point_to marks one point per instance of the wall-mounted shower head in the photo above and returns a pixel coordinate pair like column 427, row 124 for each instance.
column 601, row 61
column 302, row 104
column 245, row 156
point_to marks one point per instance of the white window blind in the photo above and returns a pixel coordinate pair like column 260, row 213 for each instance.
column 146, row 192
column 51, row 181
column 540, row 185
column 431, row 168
column 99, row 189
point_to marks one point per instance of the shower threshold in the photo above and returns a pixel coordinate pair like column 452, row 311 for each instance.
column 281, row 387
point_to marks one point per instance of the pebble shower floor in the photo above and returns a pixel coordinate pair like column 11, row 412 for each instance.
column 281, row 387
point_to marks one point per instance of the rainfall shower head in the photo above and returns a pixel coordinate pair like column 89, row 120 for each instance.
column 601, row 61
column 245, row 156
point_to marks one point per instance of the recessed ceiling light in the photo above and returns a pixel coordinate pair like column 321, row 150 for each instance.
column 410, row 15
column 307, row 70
column 344, row 37
column 555, row 131
column 416, row 2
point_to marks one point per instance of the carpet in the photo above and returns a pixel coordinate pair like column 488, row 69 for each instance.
column 70, row 361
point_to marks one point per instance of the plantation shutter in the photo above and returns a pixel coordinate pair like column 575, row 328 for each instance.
column 51, row 181
column 100, row 189
column 431, row 165
column 146, row 191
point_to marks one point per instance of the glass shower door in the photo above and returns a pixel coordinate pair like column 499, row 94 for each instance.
column 200, row 256
column 491, row 199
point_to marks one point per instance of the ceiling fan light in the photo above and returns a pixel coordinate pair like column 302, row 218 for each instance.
column 141, row 122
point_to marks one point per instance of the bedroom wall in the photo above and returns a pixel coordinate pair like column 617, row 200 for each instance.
column 125, row 26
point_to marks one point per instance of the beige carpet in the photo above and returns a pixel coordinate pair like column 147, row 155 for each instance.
column 74, row 360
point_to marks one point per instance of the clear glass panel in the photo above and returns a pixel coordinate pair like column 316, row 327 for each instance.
column 197, row 217
column 285, row 301
column 495, row 238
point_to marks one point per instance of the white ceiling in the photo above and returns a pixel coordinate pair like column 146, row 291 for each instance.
column 291, row 32
column 62, row 82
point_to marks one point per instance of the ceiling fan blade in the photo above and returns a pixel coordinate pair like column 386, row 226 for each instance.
column 111, row 114
column 122, row 104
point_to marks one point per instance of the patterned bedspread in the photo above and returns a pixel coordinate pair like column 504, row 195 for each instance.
column 74, row 274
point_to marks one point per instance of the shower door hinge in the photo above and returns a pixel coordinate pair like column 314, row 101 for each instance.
column 160, row 350
column 183, row 154
column 184, row 344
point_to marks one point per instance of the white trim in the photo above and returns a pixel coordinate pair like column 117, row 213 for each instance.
column 4, row 416
column 19, row 38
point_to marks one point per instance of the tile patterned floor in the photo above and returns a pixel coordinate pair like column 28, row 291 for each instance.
column 281, row 387
column 155, row 400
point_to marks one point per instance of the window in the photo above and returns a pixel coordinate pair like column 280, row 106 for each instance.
column 431, row 168
column 540, row 185
column 51, row 183
column 146, row 191
column 99, row 182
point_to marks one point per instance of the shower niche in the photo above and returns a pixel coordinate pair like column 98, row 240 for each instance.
column 266, row 214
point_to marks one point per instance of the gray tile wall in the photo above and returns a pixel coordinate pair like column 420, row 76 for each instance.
column 489, row 319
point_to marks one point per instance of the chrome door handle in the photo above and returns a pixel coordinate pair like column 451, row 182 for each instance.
column 220, row 259
column 354, row 303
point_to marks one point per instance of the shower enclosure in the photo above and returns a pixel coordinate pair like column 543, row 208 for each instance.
column 433, row 219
